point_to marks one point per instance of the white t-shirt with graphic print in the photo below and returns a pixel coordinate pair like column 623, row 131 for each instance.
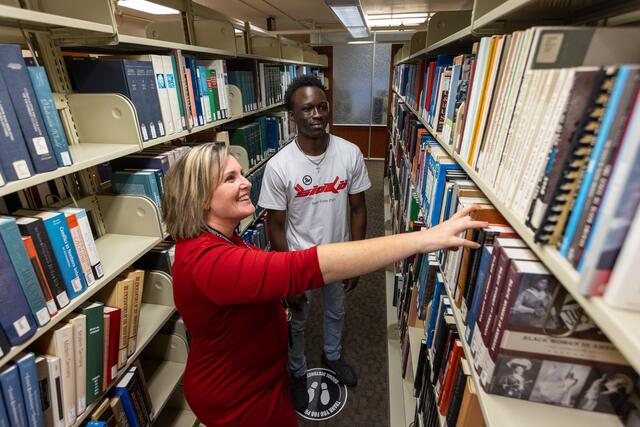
column 316, row 198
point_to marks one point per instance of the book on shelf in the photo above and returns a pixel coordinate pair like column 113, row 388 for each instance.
column 140, row 183
column 137, row 276
column 25, row 105
column 78, row 321
column 118, row 411
column 34, row 228
column 12, row 241
column 95, row 350
column 26, row 363
column 53, row 125
column 12, row 393
column 59, row 342
column 80, row 246
column 88, row 240
column 56, row 418
column 112, row 329
column 119, row 294
column 27, row 241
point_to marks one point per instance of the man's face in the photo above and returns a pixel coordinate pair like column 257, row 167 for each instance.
column 310, row 111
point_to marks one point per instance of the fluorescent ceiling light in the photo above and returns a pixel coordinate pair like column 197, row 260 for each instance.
column 148, row 7
column 396, row 22
column 358, row 32
column 349, row 15
column 361, row 42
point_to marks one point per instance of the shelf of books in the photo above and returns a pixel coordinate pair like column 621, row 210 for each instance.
column 122, row 251
column 152, row 319
column 542, row 311
column 613, row 322
column 35, row 20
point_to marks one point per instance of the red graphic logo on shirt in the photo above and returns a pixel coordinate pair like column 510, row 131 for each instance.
column 329, row 187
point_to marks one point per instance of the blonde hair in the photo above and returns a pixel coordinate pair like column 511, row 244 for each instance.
column 188, row 187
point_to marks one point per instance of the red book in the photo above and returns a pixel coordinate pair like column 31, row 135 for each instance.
column 114, row 315
column 105, row 350
column 450, row 374
column 419, row 82
column 430, row 78
column 42, row 279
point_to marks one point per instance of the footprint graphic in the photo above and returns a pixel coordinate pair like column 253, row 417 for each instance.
column 324, row 396
column 312, row 390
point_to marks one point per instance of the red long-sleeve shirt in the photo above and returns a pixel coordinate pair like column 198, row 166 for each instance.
column 229, row 297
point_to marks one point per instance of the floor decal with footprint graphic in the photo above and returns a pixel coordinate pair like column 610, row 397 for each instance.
column 327, row 396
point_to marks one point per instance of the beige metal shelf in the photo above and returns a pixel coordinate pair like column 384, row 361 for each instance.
column 117, row 252
column 176, row 417
column 152, row 319
column 161, row 383
column 126, row 42
column 40, row 21
column 459, row 36
column 84, row 156
column 615, row 323
column 278, row 60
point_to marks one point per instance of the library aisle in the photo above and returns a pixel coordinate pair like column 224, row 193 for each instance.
column 365, row 334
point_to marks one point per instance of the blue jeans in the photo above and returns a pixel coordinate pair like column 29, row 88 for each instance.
column 333, row 302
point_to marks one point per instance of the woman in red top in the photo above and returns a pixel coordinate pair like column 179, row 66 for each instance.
column 229, row 293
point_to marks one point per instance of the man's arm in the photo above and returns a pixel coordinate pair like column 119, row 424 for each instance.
column 358, row 218
column 277, row 233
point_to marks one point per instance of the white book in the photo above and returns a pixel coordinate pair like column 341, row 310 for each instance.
column 263, row 91
column 79, row 323
column 87, row 236
column 623, row 290
column 204, row 96
column 60, row 342
column 223, row 90
column 172, row 88
column 483, row 112
column 81, row 248
column 55, row 392
column 474, row 99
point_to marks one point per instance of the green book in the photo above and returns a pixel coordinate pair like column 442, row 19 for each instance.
column 212, row 86
column 176, row 76
column 94, row 312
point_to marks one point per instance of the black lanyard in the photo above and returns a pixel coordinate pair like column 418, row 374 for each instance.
column 223, row 237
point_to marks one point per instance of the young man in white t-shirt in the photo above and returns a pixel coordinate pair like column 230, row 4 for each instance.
column 313, row 190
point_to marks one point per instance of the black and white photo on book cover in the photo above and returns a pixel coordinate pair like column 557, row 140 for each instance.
column 515, row 376
column 559, row 383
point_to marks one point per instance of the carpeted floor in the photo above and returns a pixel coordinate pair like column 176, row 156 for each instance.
column 365, row 334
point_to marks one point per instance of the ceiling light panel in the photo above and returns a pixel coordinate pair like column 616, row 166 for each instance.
column 148, row 7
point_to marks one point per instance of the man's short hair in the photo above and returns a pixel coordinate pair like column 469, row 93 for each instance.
column 305, row 80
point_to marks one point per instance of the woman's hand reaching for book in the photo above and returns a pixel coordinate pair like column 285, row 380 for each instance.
column 447, row 235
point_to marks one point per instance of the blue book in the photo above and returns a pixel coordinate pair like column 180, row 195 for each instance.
column 89, row 75
column 15, row 161
column 15, row 315
column 4, row 418
column 10, row 235
column 4, row 343
column 50, row 115
column 151, row 99
column 436, row 202
column 442, row 61
column 94, row 423
column 25, row 104
column 610, row 114
column 65, row 252
column 481, row 279
column 13, row 400
column 139, row 183
column 190, row 63
column 30, row 389
column 204, row 92
column 122, row 391
column 437, row 292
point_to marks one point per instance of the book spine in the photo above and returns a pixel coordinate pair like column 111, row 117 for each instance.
column 13, row 69
column 67, row 259
column 152, row 98
column 55, row 390
column 94, row 350
column 115, row 320
column 87, row 236
column 136, row 94
column 79, row 337
column 37, row 232
column 50, row 115
column 27, row 241
column 163, row 93
column 127, row 405
column 204, row 91
column 42, row 372
column 136, row 300
column 11, row 390
column 4, row 418
column 80, row 247
column 177, row 115
column 26, row 276
column 15, row 316
column 178, row 77
column 30, row 390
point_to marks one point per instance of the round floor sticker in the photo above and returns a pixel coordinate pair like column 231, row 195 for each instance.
column 327, row 396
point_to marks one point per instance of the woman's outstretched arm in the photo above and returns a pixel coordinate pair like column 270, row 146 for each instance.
column 339, row 261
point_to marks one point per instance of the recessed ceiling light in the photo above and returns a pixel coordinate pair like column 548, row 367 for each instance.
column 148, row 7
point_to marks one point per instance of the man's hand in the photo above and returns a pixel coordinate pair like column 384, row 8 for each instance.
column 297, row 302
column 350, row 284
